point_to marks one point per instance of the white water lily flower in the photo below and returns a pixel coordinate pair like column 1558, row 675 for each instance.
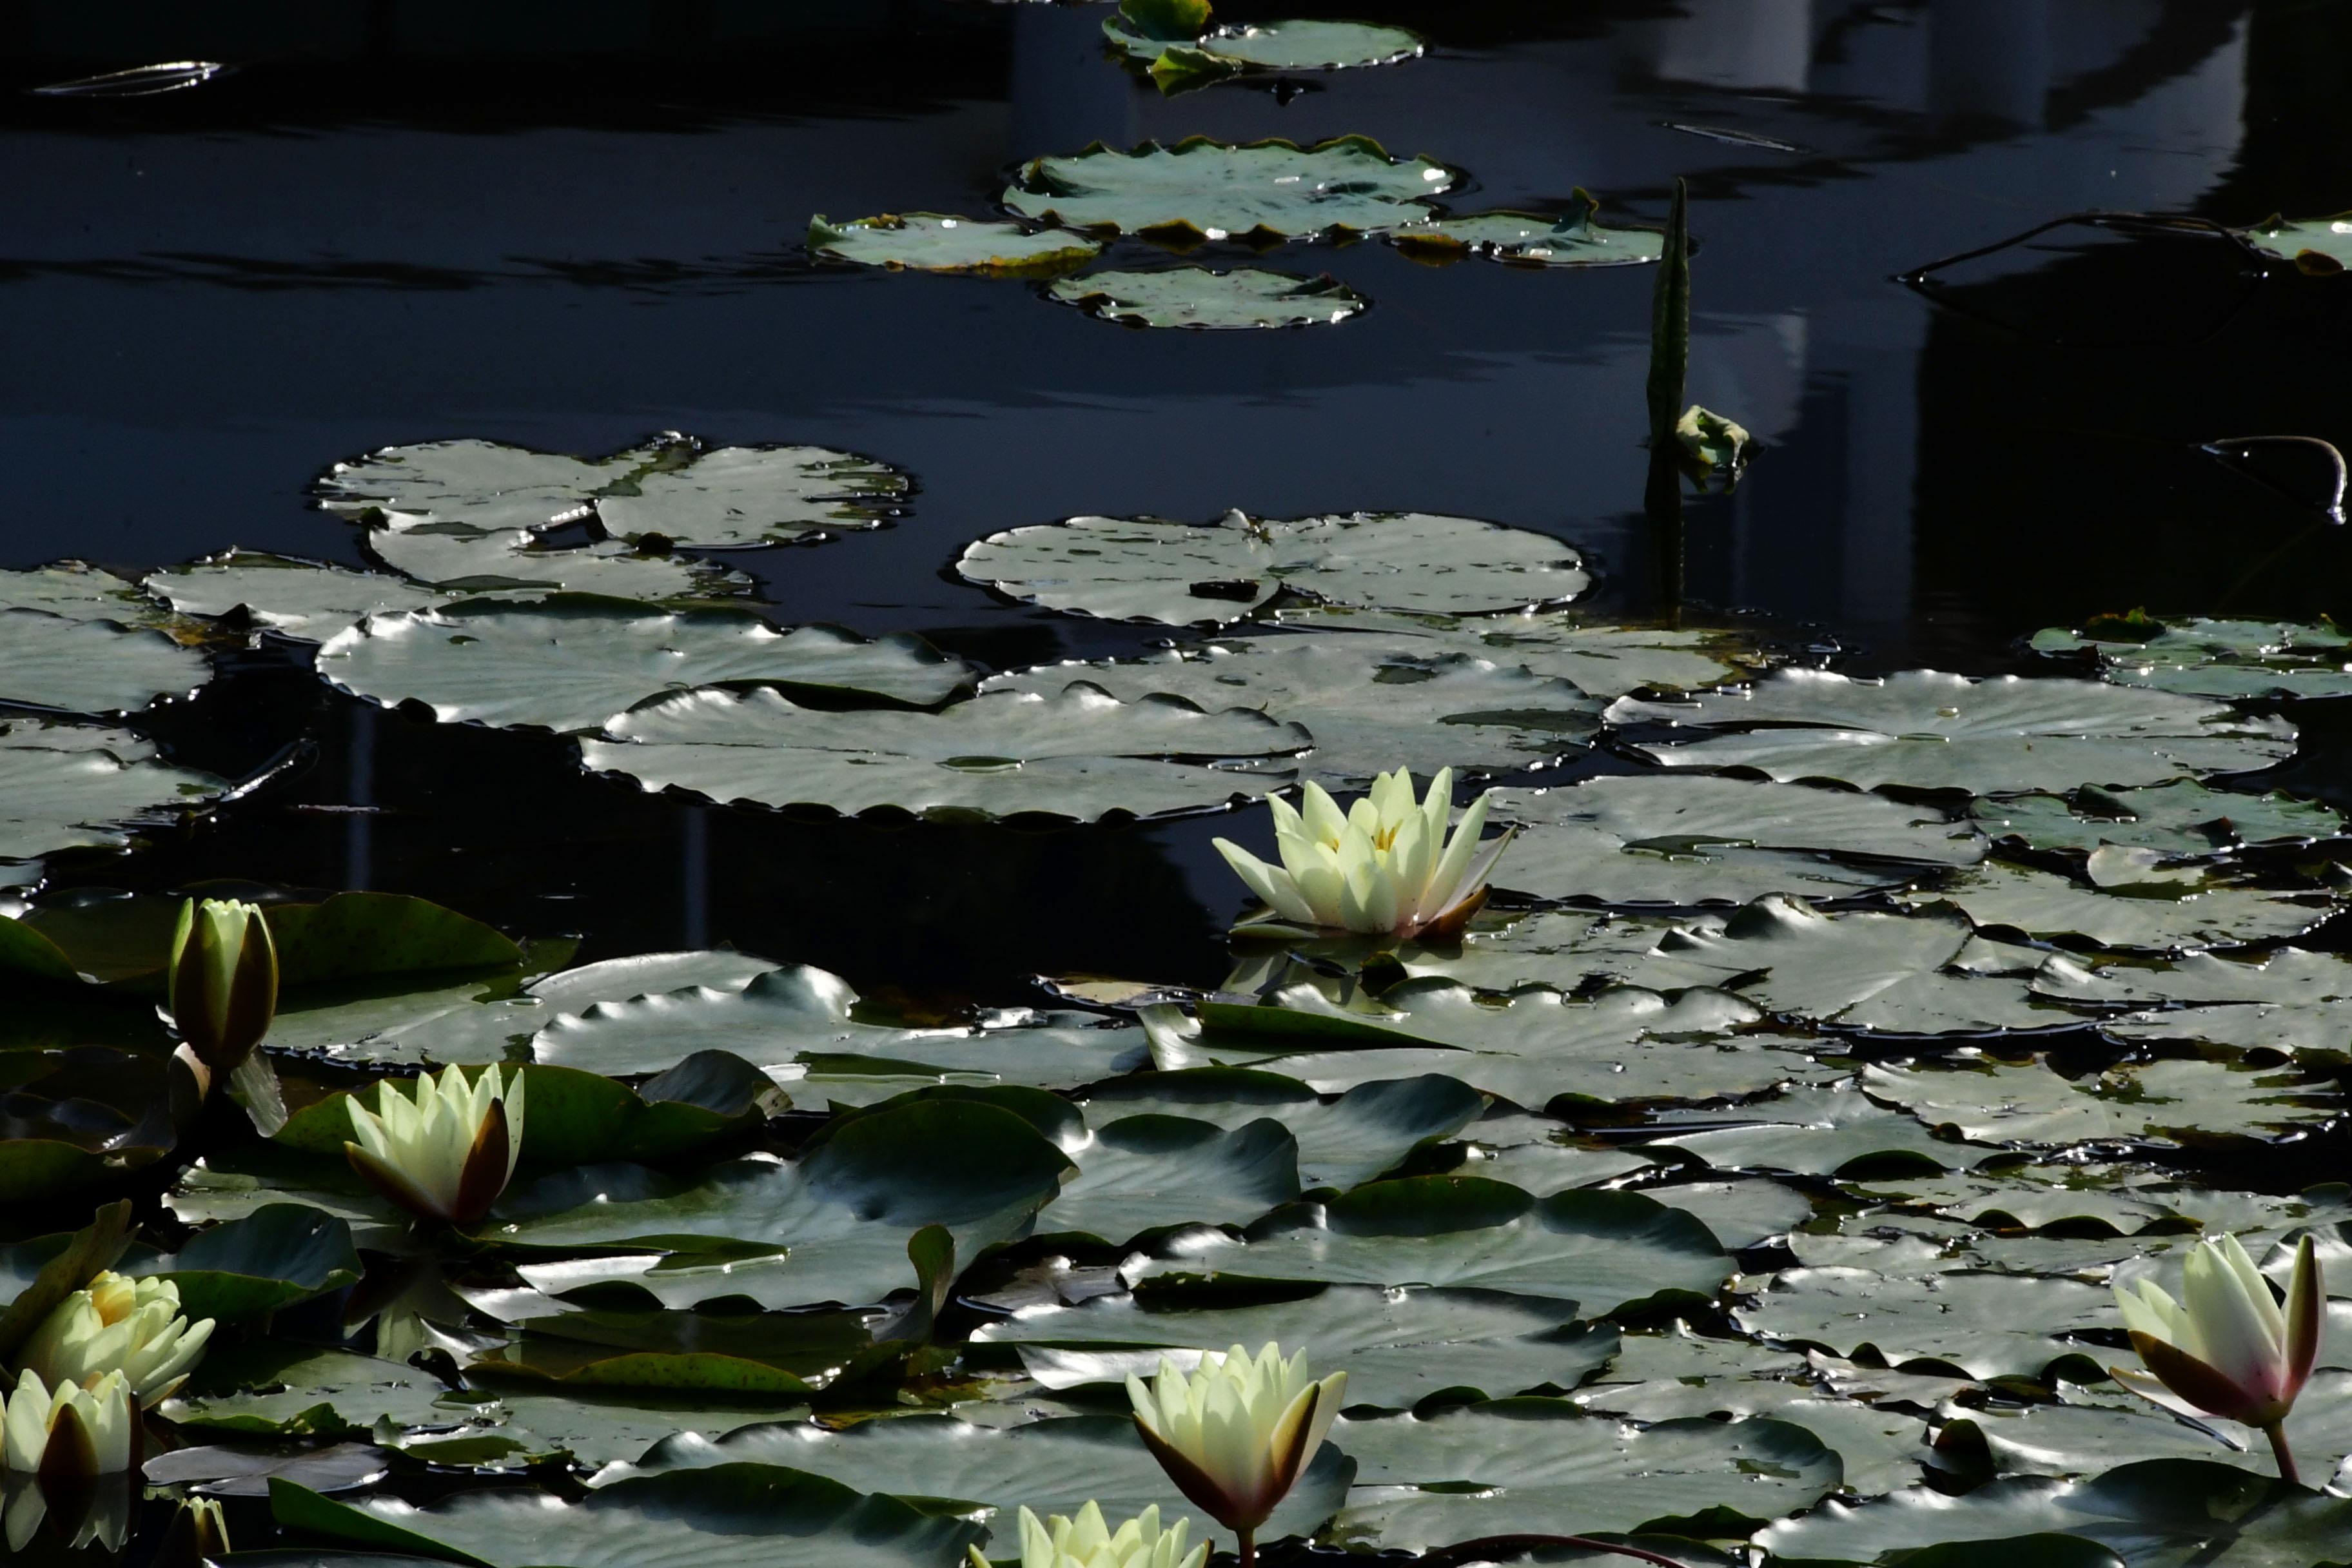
column 222, row 980
column 1385, row 867
column 114, row 1324
column 1235, row 1434
column 68, row 1431
column 447, row 1154
column 2226, row 1347
column 1086, row 1542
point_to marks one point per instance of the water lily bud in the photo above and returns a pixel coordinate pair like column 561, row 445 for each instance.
column 2226, row 1348
column 116, row 1325
column 1384, row 866
column 222, row 980
column 70, row 1432
column 208, row 1527
column 1235, row 1434
column 448, row 1154
column 1086, row 1542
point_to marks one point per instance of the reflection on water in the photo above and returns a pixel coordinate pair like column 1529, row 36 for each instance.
column 416, row 221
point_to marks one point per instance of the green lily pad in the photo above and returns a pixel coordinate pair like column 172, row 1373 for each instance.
column 2161, row 1512
column 79, row 1115
column 1287, row 45
column 1399, row 1346
column 76, row 590
column 2232, row 660
column 1603, row 660
column 2086, row 1439
column 1204, row 299
column 1544, row 1467
column 1143, row 1174
column 733, row 1516
column 2029, row 1103
column 939, row 242
column 1176, row 573
column 279, row 1255
column 1821, row 1133
column 2320, row 246
column 739, row 498
column 1053, row 1466
column 1634, row 839
column 294, row 599
column 600, row 1426
column 2199, row 910
column 1081, row 754
column 1369, row 707
column 1560, row 947
column 36, row 1274
column 2183, row 818
column 1203, row 190
column 279, row 1389
column 65, row 786
column 1927, row 730
column 1340, row 1143
column 1605, row 1251
column 481, row 484
column 455, row 558
column 844, row 1211
column 1531, row 239
column 89, row 666
column 1984, row 1325
column 366, row 936
column 573, row 666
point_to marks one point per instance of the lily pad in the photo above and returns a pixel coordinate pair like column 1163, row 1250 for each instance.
column 2030, row 1103
column 1927, row 730
column 1052, row 1467
column 573, row 666
column 2201, row 911
column 279, row 1255
column 279, row 1389
column 1605, row 1251
column 1634, row 839
column 1176, row 573
column 1821, row 1133
column 939, row 242
column 1369, row 706
column 1985, row 1325
column 2233, row 660
column 1560, row 947
column 74, row 589
column 454, row 558
column 2086, row 1439
column 1399, row 1346
column 1081, row 754
column 89, row 666
column 739, row 498
column 294, row 599
column 1287, row 45
column 733, row 1516
column 1603, row 660
column 1544, row 1467
column 1146, row 1172
column 2320, row 246
column 1340, row 1143
column 1531, row 239
column 63, row 786
column 1204, row 299
column 2183, row 818
column 481, row 484
column 1203, row 190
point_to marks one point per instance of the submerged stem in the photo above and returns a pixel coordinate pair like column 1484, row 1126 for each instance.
column 2276, row 1433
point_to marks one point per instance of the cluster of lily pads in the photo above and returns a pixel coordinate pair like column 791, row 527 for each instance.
column 1751, row 1171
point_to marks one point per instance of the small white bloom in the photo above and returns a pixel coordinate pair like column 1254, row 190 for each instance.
column 1385, row 867
column 1086, row 1542
column 450, row 1153
column 114, row 1324
column 1236, row 1434
column 69, row 1429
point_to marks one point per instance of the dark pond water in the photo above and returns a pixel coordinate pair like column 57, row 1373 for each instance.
column 569, row 226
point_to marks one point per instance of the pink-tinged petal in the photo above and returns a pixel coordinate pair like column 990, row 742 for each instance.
column 2204, row 1386
column 392, row 1183
column 2306, row 1317
column 1199, row 1487
column 488, row 1165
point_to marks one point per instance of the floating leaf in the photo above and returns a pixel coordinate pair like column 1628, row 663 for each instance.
column 1145, row 569
column 37, row 1275
column 733, row 1516
column 75, row 590
column 2202, row 911
column 1927, row 730
column 1530, row 239
column 936, row 242
column 367, row 936
column 482, row 484
column 2183, row 818
column 1287, row 45
column 1821, row 1133
column 249, row 1268
column 1996, row 1102
column 2233, row 660
column 1201, row 299
column 2321, row 247
column 1633, row 838
column 63, row 786
column 573, row 666
column 1605, row 661
column 1605, row 1251
column 1081, row 754
column 736, row 497
column 1986, row 1325
column 1369, row 706
column 453, row 558
column 2085, row 1439
column 278, row 1389
column 1143, row 1174
column 1543, row 1467
column 1199, row 189
column 1560, row 947
column 1362, row 1134
column 91, row 666
column 1399, row 1346
column 74, row 1117
column 295, row 599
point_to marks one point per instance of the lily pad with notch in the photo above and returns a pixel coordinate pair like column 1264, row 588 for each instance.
column 741, row 498
column 1203, row 190
column 66, row 787
column 2232, row 660
column 576, row 664
column 91, row 666
column 1178, row 573
column 1530, row 239
column 295, row 599
column 1982, row 1324
column 484, row 485
column 454, row 558
column 2321, row 247
column 2180, row 818
column 942, row 242
column 282, row 1389
column 75, row 590
column 2157, row 1102
column 2167, row 911
column 1362, row 1134
column 1607, row 660
column 1820, row 1132
column 1200, row 299
column 279, row 1256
